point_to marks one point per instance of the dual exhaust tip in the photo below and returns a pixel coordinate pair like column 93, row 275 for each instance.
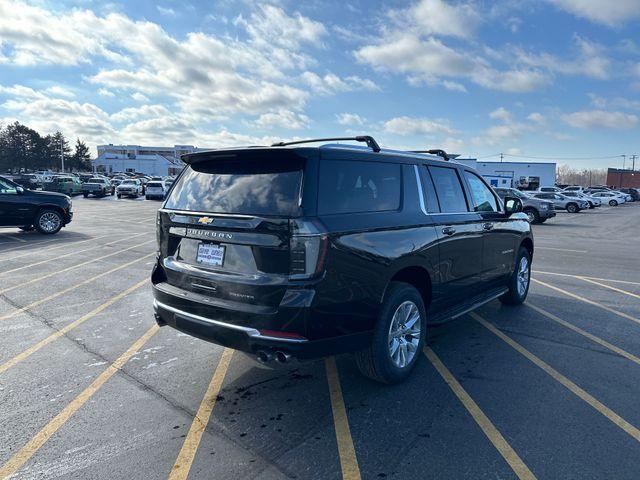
column 265, row 356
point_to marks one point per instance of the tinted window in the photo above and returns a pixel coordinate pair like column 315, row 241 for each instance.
column 250, row 187
column 449, row 190
column 154, row 184
column 6, row 187
column 351, row 187
column 483, row 198
column 429, row 189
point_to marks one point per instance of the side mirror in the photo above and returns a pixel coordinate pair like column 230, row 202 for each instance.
column 20, row 190
column 512, row 205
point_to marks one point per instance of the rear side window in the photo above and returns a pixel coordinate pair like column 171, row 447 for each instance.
column 244, row 186
column 154, row 184
column 483, row 198
column 449, row 190
column 355, row 187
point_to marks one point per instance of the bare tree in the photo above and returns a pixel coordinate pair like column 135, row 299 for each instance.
column 586, row 177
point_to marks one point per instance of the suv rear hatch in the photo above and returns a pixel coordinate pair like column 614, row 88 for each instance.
column 225, row 231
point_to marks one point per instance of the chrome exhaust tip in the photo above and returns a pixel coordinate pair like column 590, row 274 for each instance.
column 263, row 356
column 282, row 357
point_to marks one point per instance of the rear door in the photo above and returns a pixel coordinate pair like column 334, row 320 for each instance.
column 225, row 227
column 460, row 237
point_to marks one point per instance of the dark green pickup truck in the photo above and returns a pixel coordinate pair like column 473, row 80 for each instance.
column 68, row 185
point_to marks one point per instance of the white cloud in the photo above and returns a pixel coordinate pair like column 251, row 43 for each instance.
column 331, row 83
column 103, row 92
column 501, row 114
column 271, row 25
column 593, row 119
column 350, row 119
column 536, row 117
column 429, row 60
column 167, row 11
column 437, row 17
column 139, row 97
column 145, row 111
column 60, row 91
column 608, row 12
column 417, row 126
column 285, row 119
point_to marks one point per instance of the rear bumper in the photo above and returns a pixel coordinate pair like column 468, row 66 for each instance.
column 240, row 330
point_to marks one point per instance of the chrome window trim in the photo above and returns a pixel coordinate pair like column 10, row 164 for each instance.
column 420, row 187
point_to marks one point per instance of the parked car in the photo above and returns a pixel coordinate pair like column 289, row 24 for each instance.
column 538, row 210
column 612, row 198
column 634, row 192
column 30, row 181
column 627, row 197
column 572, row 189
column 129, row 188
column 47, row 212
column 562, row 202
column 97, row 186
column 550, row 189
column 156, row 189
column 290, row 251
column 66, row 184
column 593, row 201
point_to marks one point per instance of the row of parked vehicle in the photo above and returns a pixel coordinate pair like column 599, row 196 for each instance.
column 540, row 205
column 72, row 184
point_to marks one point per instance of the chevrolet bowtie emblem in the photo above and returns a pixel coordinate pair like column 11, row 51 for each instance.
column 205, row 220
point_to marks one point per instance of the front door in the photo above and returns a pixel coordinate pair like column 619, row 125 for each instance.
column 499, row 240
column 9, row 204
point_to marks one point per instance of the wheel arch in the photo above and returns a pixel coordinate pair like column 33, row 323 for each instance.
column 528, row 244
column 417, row 276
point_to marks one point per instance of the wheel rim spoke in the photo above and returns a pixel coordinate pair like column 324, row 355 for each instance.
column 404, row 334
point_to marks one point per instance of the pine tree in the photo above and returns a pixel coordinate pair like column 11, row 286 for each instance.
column 81, row 159
column 58, row 143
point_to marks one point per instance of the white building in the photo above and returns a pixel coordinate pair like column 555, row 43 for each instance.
column 527, row 176
column 160, row 161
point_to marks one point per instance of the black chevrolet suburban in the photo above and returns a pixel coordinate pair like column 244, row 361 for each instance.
column 298, row 251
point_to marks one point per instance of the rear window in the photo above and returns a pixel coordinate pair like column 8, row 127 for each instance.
column 154, row 184
column 449, row 190
column 95, row 180
column 354, row 187
column 270, row 186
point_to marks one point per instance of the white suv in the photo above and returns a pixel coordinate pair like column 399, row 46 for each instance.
column 131, row 187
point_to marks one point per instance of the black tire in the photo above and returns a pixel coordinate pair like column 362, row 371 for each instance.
column 572, row 208
column 85, row 195
column 516, row 296
column 146, row 197
column 532, row 213
column 375, row 361
column 50, row 214
column 119, row 196
column 591, row 206
column 613, row 203
column 542, row 220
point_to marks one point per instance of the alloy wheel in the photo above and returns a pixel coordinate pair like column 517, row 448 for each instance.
column 523, row 276
column 49, row 222
column 404, row 334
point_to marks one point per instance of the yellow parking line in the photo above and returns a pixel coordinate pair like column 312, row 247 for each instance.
column 564, row 381
column 492, row 433
column 619, row 290
column 93, row 260
column 583, row 276
column 33, row 445
column 593, row 338
column 182, row 465
column 63, row 331
column 72, row 287
column 590, row 302
column 43, row 250
column 29, row 265
column 346, row 451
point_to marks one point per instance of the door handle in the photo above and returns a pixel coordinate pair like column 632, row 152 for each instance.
column 487, row 226
column 448, row 230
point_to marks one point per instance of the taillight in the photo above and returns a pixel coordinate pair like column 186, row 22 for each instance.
column 307, row 255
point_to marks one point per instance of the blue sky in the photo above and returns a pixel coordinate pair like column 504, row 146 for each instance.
column 544, row 78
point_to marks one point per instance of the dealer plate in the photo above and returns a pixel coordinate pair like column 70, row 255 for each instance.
column 210, row 254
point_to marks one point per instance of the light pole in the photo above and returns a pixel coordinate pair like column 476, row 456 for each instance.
column 62, row 152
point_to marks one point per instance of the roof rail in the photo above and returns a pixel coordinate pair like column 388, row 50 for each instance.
column 435, row 151
column 369, row 140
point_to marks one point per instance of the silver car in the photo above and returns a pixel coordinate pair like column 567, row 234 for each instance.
column 593, row 201
column 563, row 202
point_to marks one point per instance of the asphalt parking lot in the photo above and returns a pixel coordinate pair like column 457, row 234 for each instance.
column 91, row 388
